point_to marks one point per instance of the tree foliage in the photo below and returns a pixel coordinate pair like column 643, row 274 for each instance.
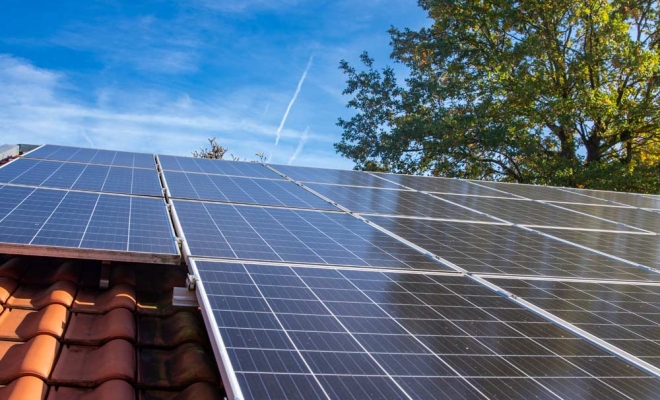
column 216, row 151
column 549, row 92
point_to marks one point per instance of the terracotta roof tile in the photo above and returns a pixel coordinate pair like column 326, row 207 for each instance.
column 201, row 390
column 90, row 366
column 44, row 274
column 95, row 329
column 156, row 303
column 110, row 390
column 13, row 268
column 25, row 388
column 34, row 357
column 7, row 286
column 36, row 297
column 178, row 368
column 96, row 301
column 18, row 324
column 182, row 327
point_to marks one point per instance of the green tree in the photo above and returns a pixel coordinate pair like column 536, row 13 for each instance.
column 549, row 92
column 215, row 152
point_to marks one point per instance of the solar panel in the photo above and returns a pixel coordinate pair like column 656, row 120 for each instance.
column 333, row 176
column 221, row 188
column 625, row 315
column 545, row 193
column 67, row 223
column 641, row 249
column 637, row 218
column 442, row 185
column 93, row 156
column 502, row 249
column 304, row 333
column 532, row 213
column 219, row 167
column 66, row 175
column 394, row 202
column 631, row 199
column 277, row 234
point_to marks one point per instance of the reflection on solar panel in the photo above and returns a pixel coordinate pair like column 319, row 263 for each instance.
column 93, row 156
column 627, row 316
column 219, row 167
column 90, row 177
column 333, row 176
column 631, row 199
column 302, row 333
column 241, row 190
column 78, row 220
column 640, row 249
column 642, row 219
column 546, row 193
column 394, row 202
column 276, row 234
column 442, row 185
column 532, row 213
column 502, row 249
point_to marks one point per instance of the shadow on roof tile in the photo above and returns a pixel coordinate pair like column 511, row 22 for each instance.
column 36, row 297
column 90, row 366
column 179, row 328
column 95, row 329
column 34, row 357
column 44, row 274
column 13, row 268
column 7, row 287
column 25, row 388
column 18, row 324
column 110, row 390
column 102, row 301
column 177, row 368
column 201, row 390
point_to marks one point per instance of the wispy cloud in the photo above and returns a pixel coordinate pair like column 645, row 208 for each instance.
column 242, row 6
column 293, row 100
column 301, row 144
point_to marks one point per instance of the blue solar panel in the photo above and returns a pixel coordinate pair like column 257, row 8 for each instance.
column 66, row 175
column 221, row 188
column 218, row 167
column 277, row 234
column 93, row 156
column 59, row 218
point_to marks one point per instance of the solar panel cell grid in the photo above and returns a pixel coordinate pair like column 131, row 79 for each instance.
column 371, row 342
column 442, row 185
column 93, row 156
column 642, row 219
column 242, row 190
column 501, row 249
column 546, row 193
column 217, row 167
column 631, row 199
column 394, row 202
column 334, row 176
column 275, row 234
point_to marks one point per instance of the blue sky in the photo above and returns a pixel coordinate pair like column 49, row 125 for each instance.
column 162, row 76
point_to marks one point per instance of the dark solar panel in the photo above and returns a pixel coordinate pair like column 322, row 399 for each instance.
column 642, row 219
column 218, row 167
column 442, row 185
column 221, row 188
column 546, row 193
column 394, row 202
column 67, row 175
column 80, row 220
column 334, row 176
column 532, row 213
column 627, row 316
column 301, row 333
column 501, row 249
column 277, row 234
column 640, row 249
column 93, row 156
column 631, row 199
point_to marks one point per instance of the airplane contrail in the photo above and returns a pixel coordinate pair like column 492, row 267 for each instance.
column 301, row 144
column 293, row 100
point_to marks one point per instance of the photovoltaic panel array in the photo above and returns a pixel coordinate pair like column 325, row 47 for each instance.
column 93, row 156
column 394, row 202
column 631, row 199
column 625, row 315
column 442, row 185
column 219, row 167
column 642, row 219
column 79, row 176
column 509, row 250
column 334, row 177
column 545, row 193
column 107, row 225
column 303, row 333
column 277, row 234
column 197, row 186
